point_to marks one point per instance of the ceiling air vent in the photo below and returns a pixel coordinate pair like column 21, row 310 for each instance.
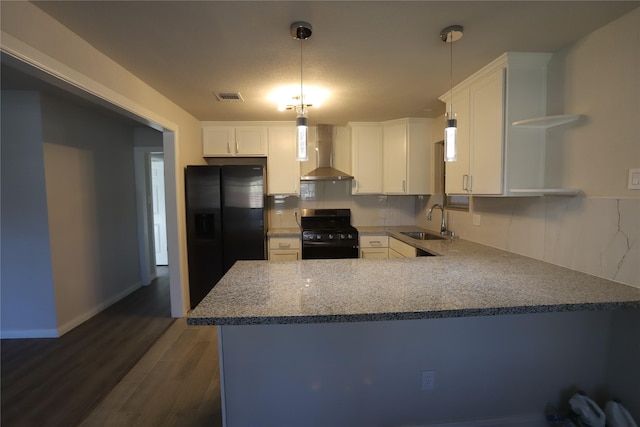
column 229, row 96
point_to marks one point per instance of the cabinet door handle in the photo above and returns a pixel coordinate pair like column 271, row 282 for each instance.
column 237, row 151
column 404, row 186
column 466, row 182
column 228, row 147
column 374, row 242
column 357, row 186
column 284, row 245
column 470, row 189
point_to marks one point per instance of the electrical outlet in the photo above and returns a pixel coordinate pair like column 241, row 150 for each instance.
column 428, row 380
column 634, row 179
column 476, row 219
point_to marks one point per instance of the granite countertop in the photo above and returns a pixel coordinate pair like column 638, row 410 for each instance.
column 469, row 279
column 284, row 232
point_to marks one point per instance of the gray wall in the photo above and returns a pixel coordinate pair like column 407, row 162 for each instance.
column 89, row 171
column 364, row 374
column 28, row 306
column 623, row 380
column 68, row 181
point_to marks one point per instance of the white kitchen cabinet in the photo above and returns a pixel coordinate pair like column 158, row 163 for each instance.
column 374, row 246
column 284, row 249
column 503, row 159
column 283, row 170
column 399, row 249
column 366, row 158
column 222, row 140
column 407, row 156
column 487, row 123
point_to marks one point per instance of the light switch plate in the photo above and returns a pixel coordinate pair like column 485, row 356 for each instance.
column 476, row 219
column 634, row 179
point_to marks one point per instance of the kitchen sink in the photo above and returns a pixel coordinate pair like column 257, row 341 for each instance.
column 421, row 235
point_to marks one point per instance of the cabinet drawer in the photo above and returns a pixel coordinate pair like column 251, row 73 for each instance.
column 284, row 243
column 374, row 252
column 284, row 255
column 374, row 241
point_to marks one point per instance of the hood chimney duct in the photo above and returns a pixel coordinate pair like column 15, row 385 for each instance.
column 325, row 170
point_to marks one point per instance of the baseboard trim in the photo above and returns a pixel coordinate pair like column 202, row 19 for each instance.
column 531, row 420
column 29, row 333
column 66, row 327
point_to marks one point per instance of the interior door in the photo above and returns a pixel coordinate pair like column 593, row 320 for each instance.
column 159, row 212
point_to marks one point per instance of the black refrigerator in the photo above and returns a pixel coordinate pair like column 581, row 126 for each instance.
column 225, row 222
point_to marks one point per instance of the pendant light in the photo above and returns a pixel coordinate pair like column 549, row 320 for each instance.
column 301, row 31
column 450, row 35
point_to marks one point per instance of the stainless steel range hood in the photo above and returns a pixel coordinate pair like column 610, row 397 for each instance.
column 325, row 170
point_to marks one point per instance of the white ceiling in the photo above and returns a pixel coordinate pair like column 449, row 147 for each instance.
column 379, row 60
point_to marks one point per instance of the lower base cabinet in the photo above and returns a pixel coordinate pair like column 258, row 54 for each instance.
column 284, row 249
column 374, row 246
column 398, row 249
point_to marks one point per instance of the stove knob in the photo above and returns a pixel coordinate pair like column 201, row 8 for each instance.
column 318, row 237
column 342, row 237
column 350, row 237
column 330, row 236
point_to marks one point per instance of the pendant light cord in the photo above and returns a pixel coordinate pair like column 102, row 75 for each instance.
column 451, row 75
column 301, row 92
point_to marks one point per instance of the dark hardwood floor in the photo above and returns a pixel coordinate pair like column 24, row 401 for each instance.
column 59, row 381
column 175, row 384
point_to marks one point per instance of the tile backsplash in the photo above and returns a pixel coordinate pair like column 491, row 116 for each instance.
column 365, row 210
column 598, row 236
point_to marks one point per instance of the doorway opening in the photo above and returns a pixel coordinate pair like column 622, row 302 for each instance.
column 159, row 209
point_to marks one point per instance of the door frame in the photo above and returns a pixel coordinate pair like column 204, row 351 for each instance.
column 146, row 239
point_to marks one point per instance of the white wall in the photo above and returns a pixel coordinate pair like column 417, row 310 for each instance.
column 26, row 277
column 597, row 232
column 92, row 211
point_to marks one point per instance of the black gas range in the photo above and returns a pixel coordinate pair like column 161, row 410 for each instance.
column 328, row 234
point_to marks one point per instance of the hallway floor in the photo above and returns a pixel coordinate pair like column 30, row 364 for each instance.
column 60, row 381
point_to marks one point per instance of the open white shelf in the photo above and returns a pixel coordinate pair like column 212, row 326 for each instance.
column 545, row 191
column 547, row 121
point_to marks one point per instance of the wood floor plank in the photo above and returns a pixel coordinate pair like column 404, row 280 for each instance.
column 175, row 384
column 58, row 382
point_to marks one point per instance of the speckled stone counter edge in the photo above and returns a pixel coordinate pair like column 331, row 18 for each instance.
column 344, row 318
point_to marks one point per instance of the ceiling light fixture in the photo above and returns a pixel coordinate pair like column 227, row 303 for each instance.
column 301, row 31
column 450, row 35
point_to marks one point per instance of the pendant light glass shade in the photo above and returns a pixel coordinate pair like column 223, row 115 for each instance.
column 301, row 138
column 450, row 134
column 450, row 35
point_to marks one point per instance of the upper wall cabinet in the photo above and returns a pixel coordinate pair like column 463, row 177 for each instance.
column 283, row 171
column 392, row 157
column 366, row 158
column 220, row 140
column 496, row 158
column 407, row 156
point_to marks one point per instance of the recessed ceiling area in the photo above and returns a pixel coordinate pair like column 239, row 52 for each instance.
column 378, row 60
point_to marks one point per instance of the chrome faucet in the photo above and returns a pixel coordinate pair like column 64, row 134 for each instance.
column 443, row 226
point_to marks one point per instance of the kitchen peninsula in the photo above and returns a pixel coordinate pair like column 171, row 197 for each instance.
column 345, row 342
